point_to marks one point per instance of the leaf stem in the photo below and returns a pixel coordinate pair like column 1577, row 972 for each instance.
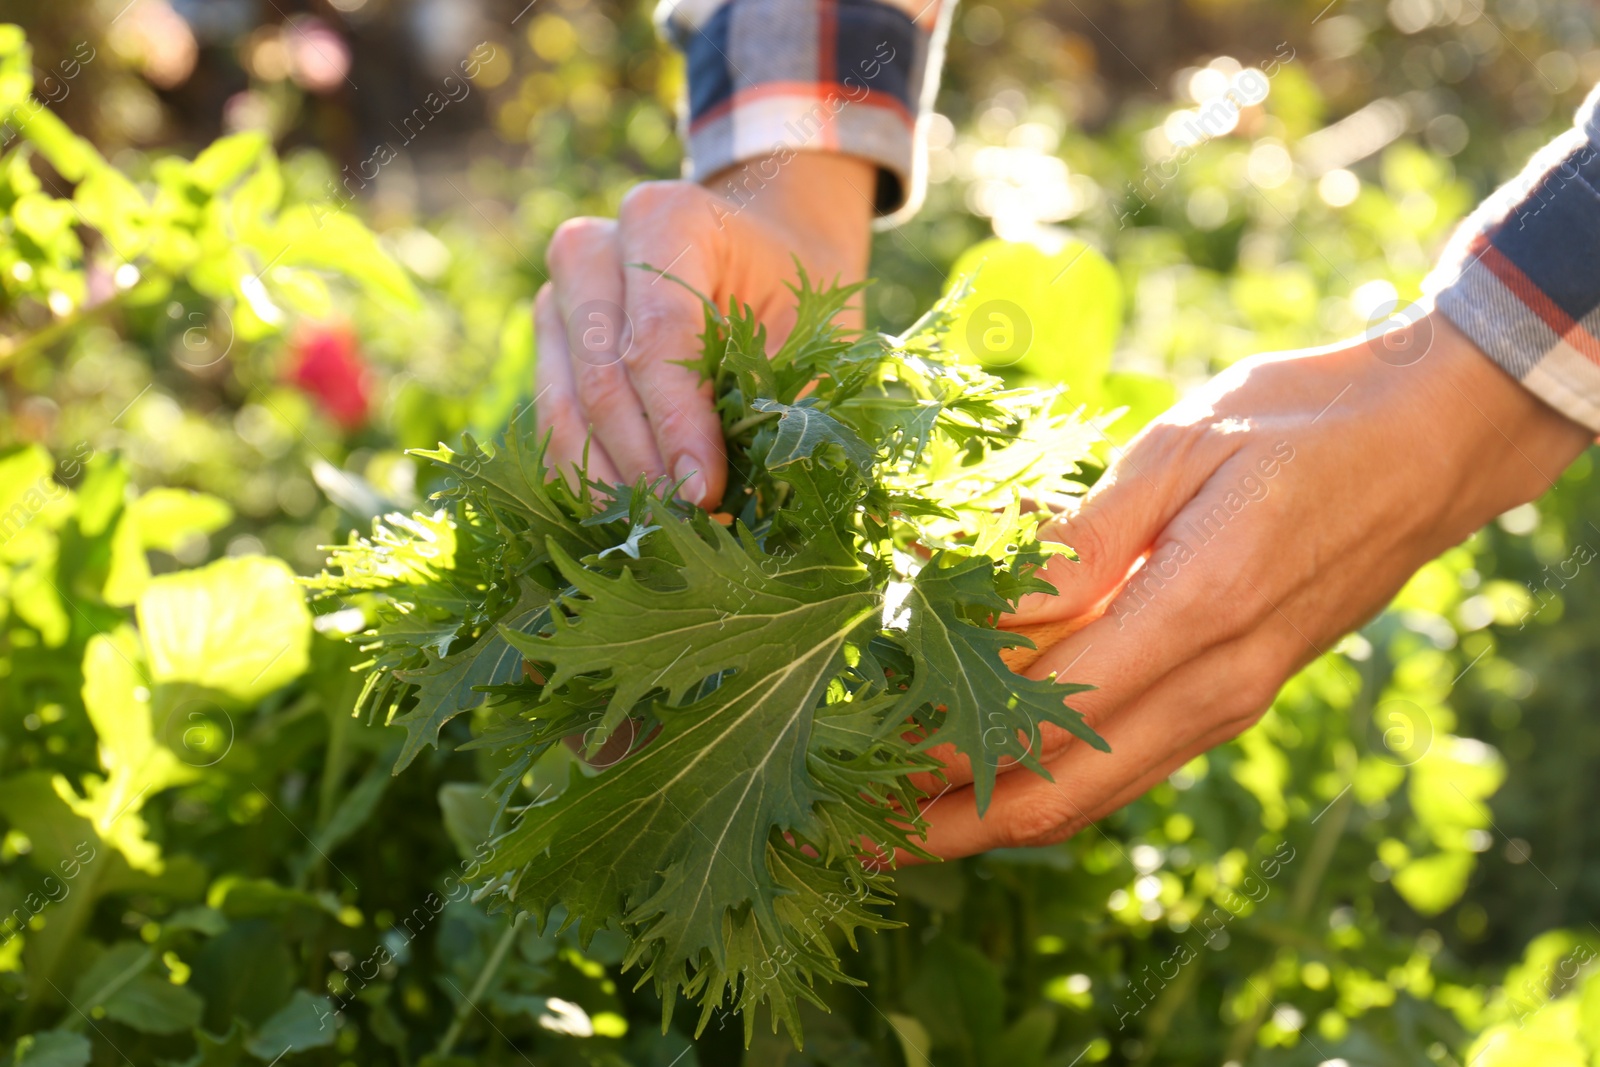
column 485, row 976
column 109, row 990
column 749, row 422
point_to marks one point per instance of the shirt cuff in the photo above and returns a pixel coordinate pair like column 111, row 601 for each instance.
column 1521, row 276
column 774, row 77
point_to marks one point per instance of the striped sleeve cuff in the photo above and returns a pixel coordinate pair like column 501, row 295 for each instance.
column 1521, row 276
column 773, row 77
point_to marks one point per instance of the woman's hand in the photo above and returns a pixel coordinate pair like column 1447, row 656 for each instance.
column 1239, row 536
column 613, row 338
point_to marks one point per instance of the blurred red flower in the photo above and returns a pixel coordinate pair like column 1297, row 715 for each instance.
column 325, row 361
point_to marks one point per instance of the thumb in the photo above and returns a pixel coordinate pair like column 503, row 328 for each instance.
column 1142, row 490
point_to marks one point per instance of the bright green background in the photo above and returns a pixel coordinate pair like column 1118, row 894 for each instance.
column 167, row 707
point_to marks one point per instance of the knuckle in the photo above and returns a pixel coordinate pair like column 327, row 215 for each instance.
column 649, row 200
column 671, row 424
column 574, row 240
column 1090, row 539
column 1224, row 435
column 1259, row 683
column 658, row 326
column 1043, row 822
column 1251, row 702
column 601, row 388
column 1232, row 614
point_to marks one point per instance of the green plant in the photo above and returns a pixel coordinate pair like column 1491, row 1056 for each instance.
column 313, row 903
column 765, row 693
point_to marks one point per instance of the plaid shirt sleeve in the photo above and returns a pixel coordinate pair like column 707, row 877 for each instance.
column 771, row 77
column 1521, row 277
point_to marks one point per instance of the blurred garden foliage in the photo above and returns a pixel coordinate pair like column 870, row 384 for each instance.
column 214, row 352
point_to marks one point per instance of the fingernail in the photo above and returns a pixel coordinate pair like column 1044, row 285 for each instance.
column 693, row 483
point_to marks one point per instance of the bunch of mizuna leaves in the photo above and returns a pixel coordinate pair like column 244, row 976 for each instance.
column 755, row 691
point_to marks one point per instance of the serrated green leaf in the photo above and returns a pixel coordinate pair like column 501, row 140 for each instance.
column 448, row 685
column 805, row 433
column 990, row 713
column 749, row 717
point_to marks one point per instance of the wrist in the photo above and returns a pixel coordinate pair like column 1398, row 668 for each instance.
column 1510, row 446
column 816, row 204
column 1509, row 407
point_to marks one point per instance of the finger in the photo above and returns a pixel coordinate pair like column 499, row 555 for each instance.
column 667, row 227
column 1140, row 493
column 1189, row 596
column 586, row 265
column 1167, row 612
column 1194, row 710
column 556, row 408
column 1044, row 635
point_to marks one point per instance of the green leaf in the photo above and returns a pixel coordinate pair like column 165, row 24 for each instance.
column 154, row 1005
column 138, row 763
column 1052, row 314
column 1450, row 786
column 306, row 1022
column 449, row 685
column 71, row 155
column 710, row 835
column 339, row 242
column 50, row 1048
column 129, row 572
column 218, row 1051
column 246, row 898
column 721, row 617
column 354, row 809
column 160, row 519
column 1026, row 1041
column 110, row 971
column 226, row 159
column 168, row 517
column 113, row 204
column 32, row 803
column 468, row 815
column 253, row 633
column 957, row 996
column 991, row 713
column 748, row 716
column 32, row 504
column 1433, row 883
column 805, row 433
